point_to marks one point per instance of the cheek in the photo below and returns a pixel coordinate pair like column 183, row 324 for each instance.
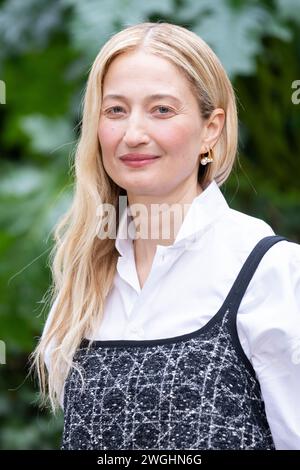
column 107, row 135
column 176, row 136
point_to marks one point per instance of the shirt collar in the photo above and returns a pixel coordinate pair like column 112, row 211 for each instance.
column 203, row 211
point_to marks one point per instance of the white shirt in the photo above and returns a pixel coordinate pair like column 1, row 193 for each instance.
column 189, row 281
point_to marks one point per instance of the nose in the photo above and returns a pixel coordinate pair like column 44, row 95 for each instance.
column 135, row 131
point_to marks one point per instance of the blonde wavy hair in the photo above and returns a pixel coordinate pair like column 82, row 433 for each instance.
column 83, row 265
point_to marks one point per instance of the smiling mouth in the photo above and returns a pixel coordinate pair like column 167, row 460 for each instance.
column 134, row 158
column 139, row 162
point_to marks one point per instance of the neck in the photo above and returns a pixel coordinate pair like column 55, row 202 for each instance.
column 158, row 221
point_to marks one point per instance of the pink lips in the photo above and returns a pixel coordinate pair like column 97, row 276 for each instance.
column 137, row 157
column 136, row 160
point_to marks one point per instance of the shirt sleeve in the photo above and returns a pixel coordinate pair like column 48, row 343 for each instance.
column 269, row 329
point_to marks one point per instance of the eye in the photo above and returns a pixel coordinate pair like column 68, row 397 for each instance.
column 114, row 107
column 164, row 107
column 161, row 107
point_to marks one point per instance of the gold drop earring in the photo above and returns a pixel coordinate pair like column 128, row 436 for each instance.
column 208, row 158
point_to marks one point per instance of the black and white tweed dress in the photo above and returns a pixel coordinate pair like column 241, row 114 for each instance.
column 194, row 391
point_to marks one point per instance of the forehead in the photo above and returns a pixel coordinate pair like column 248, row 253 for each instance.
column 146, row 71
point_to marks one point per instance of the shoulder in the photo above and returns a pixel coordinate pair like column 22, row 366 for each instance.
column 241, row 232
column 283, row 260
column 245, row 223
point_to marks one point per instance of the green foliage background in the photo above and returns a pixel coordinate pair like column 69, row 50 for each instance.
column 46, row 49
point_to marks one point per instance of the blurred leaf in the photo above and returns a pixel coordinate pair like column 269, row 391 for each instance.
column 93, row 23
column 47, row 134
column 289, row 9
column 29, row 24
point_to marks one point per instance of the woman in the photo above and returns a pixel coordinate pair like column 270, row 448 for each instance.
column 162, row 342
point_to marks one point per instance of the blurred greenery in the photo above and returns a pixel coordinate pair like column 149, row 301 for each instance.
column 46, row 50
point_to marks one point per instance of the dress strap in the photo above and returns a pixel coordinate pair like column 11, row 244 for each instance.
column 237, row 291
column 245, row 275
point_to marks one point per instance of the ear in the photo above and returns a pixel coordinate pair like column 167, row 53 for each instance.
column 212, row 129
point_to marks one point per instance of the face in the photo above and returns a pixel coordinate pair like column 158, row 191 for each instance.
column 169, row 127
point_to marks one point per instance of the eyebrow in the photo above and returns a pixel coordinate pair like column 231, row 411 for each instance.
column 156, row 96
